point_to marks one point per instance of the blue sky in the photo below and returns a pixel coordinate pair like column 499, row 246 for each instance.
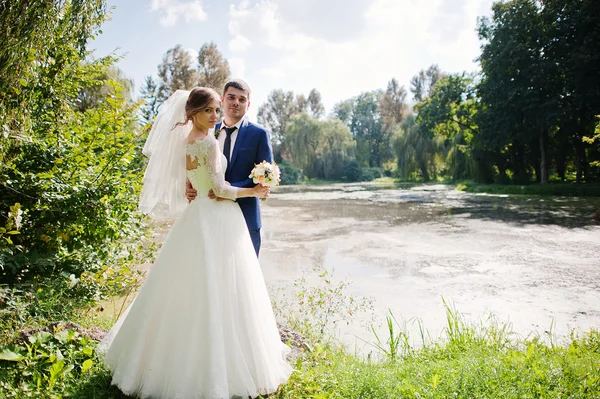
column 339, row 47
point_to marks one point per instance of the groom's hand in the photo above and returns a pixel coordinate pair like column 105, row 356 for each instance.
column 212, row 195
column 190, row 193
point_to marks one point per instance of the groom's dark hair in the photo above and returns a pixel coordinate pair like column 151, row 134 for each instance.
column 238, row 84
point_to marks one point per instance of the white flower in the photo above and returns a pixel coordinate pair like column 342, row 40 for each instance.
column 73, row 281
column 266, row 174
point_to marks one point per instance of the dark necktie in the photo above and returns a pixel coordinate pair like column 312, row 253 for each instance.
column 227, row 145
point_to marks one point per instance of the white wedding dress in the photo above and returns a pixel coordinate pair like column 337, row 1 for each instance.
column 202, row 325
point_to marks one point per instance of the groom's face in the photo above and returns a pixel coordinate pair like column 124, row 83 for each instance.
column 235, row 103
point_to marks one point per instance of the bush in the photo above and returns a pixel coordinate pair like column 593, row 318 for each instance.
column 369, row 174
column 289, row 173
column 354, row 173
column 73, row 172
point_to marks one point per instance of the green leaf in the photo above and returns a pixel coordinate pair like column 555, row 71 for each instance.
column 10, row 356
column 62, row 336
column 23, row 82
column 40, row 337
column 86, row 365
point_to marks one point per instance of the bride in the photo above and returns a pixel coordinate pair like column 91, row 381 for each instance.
column 202, row 326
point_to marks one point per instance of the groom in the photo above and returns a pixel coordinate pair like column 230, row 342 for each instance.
column 244, row 144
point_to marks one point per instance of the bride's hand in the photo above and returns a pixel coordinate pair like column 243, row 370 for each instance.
column 261, row 191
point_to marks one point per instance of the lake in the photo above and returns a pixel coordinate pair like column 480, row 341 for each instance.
column 533, row 262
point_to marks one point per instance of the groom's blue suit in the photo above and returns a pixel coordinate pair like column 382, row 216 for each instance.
column 252, row 146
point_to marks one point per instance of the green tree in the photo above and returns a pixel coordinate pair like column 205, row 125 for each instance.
column 149, row 97
column 422, row 83
column 213, row 68
column 449, row 112
column 362, row 115
column 69, row 167
column 320, row 148
column 93, row 96
column 276, row 113
column 540, row 88
column 175, row 72
column 315, row 104
column 573, row 45
column 392, row 104
column 418, row 152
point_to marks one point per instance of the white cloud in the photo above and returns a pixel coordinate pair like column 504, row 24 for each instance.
column 237, row 67
column 397, row 38
column 172, row 10
column 239, row 44
column 272, row 74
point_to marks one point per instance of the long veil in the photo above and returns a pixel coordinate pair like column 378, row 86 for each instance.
column 163, row 191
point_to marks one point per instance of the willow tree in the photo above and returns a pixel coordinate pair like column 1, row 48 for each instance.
column 418, row 152
column 320, row 149
column 449, row 112
column 275, row 113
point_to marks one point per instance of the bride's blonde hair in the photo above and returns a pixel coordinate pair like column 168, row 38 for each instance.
column 198, row 99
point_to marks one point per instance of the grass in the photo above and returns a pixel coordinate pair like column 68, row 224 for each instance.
column 485, row 360
column 471, row 362
column 458, row 369
column 558, row 189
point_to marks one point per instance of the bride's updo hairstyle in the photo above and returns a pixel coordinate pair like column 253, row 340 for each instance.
column 199, row 98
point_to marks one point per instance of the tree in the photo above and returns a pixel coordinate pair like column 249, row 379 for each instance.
column 416, row 150
column 422, row 83
column 28, row 54
column 320, row 149
column 68, row 167
column 343, row 111
column 392, row 104
column 175, row 72
column 362, row 115
column 540, row 87
column 149, row 96
column 92, row 96
column 315, row 104
column 213, row 69
column 276, row 113
column 573, row 31
column 449, row 113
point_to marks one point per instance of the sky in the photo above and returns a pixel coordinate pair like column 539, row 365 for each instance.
column 339, row 47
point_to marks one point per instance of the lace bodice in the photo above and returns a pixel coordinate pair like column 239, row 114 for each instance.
column 206, row 167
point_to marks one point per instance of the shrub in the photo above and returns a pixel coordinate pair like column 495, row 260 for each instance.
column 289, row 173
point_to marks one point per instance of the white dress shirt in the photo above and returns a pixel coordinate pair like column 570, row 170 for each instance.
column 234, row 135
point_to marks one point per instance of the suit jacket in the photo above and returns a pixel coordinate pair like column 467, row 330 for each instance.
column 252, row 146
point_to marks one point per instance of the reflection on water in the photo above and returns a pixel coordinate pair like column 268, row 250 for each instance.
column 531, row 261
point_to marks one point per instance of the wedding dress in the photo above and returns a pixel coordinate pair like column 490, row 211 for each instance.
column 202, row 325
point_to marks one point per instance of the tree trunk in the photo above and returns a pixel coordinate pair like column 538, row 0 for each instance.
column 424, row 173
column 561, row 161
column 579, row 160
column 543, row 159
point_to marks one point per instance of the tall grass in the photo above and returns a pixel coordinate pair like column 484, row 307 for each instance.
column 471, row 361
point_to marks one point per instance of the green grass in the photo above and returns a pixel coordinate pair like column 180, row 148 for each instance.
column 485, row 360
column 478, row 369
column 471, row 362
column 556, row 189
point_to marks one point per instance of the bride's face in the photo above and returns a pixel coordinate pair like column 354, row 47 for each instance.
column 207, row 117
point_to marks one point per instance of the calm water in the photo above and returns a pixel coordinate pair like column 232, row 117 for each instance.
column 533, row 262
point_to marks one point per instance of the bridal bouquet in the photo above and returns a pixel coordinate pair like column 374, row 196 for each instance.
column 266, row 174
